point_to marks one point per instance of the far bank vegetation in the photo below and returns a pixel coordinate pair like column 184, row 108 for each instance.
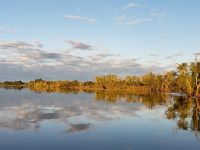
column 184, row 79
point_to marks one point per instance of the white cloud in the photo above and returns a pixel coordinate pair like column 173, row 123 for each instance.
column 130, row 5
column 144, row 15
column 81, row 18
column 122, row 20
column 25, row 53
column 156, row 13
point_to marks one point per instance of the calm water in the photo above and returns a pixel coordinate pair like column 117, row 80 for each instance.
column 96, row 121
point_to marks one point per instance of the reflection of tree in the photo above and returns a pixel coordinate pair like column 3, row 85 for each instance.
column 78, row 127
column 13, row 87
column 195, row 124
column 51, row 90
column 187, row 113
column 148, row 100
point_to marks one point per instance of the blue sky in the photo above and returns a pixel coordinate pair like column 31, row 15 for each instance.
column 84, row 38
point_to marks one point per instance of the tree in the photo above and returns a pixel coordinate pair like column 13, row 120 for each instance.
column 132, row 81
column 149, row 80
column 169, row 81
column 184, row 79
column 105, row 82
column 195, row 71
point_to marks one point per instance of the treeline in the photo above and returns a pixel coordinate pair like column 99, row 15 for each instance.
column 184, row 79
column 43, row 85
column 12, row 83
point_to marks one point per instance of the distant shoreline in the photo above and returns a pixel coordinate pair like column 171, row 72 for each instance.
column 185, row 79
column 40, row 85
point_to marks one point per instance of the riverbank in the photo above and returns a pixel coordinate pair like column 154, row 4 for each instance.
column 88, row 86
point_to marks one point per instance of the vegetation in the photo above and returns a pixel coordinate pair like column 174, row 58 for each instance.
column 185, row 79
column 12, row 84
column 43, row 85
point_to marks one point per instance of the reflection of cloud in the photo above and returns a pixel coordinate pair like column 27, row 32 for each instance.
column 26, row 117
column 19, row 124
column 21, row 113
column 78, row 127
column 41, row 112
column 13, row 118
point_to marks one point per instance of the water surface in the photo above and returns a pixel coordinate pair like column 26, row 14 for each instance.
column 95, row 121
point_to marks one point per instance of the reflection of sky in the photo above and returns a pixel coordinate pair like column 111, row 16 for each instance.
column 58, row 121
column 27, row 110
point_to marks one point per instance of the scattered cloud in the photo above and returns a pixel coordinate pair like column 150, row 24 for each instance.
column 19, row 45
column 144, row 15
column 79, row 45
column 174, row 56
column 130, row 5
column 156, row 13
column 81, row 18
column 19, row 52
column 122, row 20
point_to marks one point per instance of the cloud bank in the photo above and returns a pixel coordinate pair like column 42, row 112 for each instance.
column 21, row 60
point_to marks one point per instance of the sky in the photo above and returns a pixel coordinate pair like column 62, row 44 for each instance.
column 80, row 39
